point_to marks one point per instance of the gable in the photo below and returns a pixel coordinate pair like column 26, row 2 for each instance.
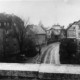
column 73, row 27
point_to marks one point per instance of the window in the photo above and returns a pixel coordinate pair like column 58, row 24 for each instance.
column 74, row 28
column 7, row 24
column 79, row 35
column 4, row 23
column 0, row 24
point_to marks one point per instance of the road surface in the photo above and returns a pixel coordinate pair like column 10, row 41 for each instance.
column 50, row 54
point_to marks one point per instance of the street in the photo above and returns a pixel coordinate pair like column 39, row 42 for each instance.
column 50, row 54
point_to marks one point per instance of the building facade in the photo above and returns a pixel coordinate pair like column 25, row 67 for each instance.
column 73, row 31
column 39, row 33
column 56, row 29
column 58, row 32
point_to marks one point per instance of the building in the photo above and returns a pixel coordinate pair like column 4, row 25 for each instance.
column 57, row 32
column 40, row 33
column 73, row 35
column 48, row 32
column 73, row 31
column 56, row 29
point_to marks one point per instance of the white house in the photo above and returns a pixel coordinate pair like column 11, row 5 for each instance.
column 57, row 29
column 73, row 31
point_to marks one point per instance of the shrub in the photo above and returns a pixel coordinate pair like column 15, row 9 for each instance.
column 68, row 51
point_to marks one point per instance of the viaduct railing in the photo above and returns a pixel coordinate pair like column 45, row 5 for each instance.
column 10, row 71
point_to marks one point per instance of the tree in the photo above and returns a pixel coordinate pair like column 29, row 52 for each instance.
column 16, row 42
column 68, row 51
column 27, row 45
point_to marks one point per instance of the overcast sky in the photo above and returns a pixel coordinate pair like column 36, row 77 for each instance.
column 48, row 11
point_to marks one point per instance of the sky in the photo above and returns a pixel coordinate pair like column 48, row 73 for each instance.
column 49, row 12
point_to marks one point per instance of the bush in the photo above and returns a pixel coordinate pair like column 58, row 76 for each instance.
column 68, row 51
column 29, row 48
column 16, row 42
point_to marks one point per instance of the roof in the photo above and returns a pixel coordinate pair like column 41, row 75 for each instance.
column 37, row 29
column 57, row 27
column 74, row 23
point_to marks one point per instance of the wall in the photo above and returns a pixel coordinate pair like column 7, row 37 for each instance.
column 38, row 72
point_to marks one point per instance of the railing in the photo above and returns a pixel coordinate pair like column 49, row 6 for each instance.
column 39, row 72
